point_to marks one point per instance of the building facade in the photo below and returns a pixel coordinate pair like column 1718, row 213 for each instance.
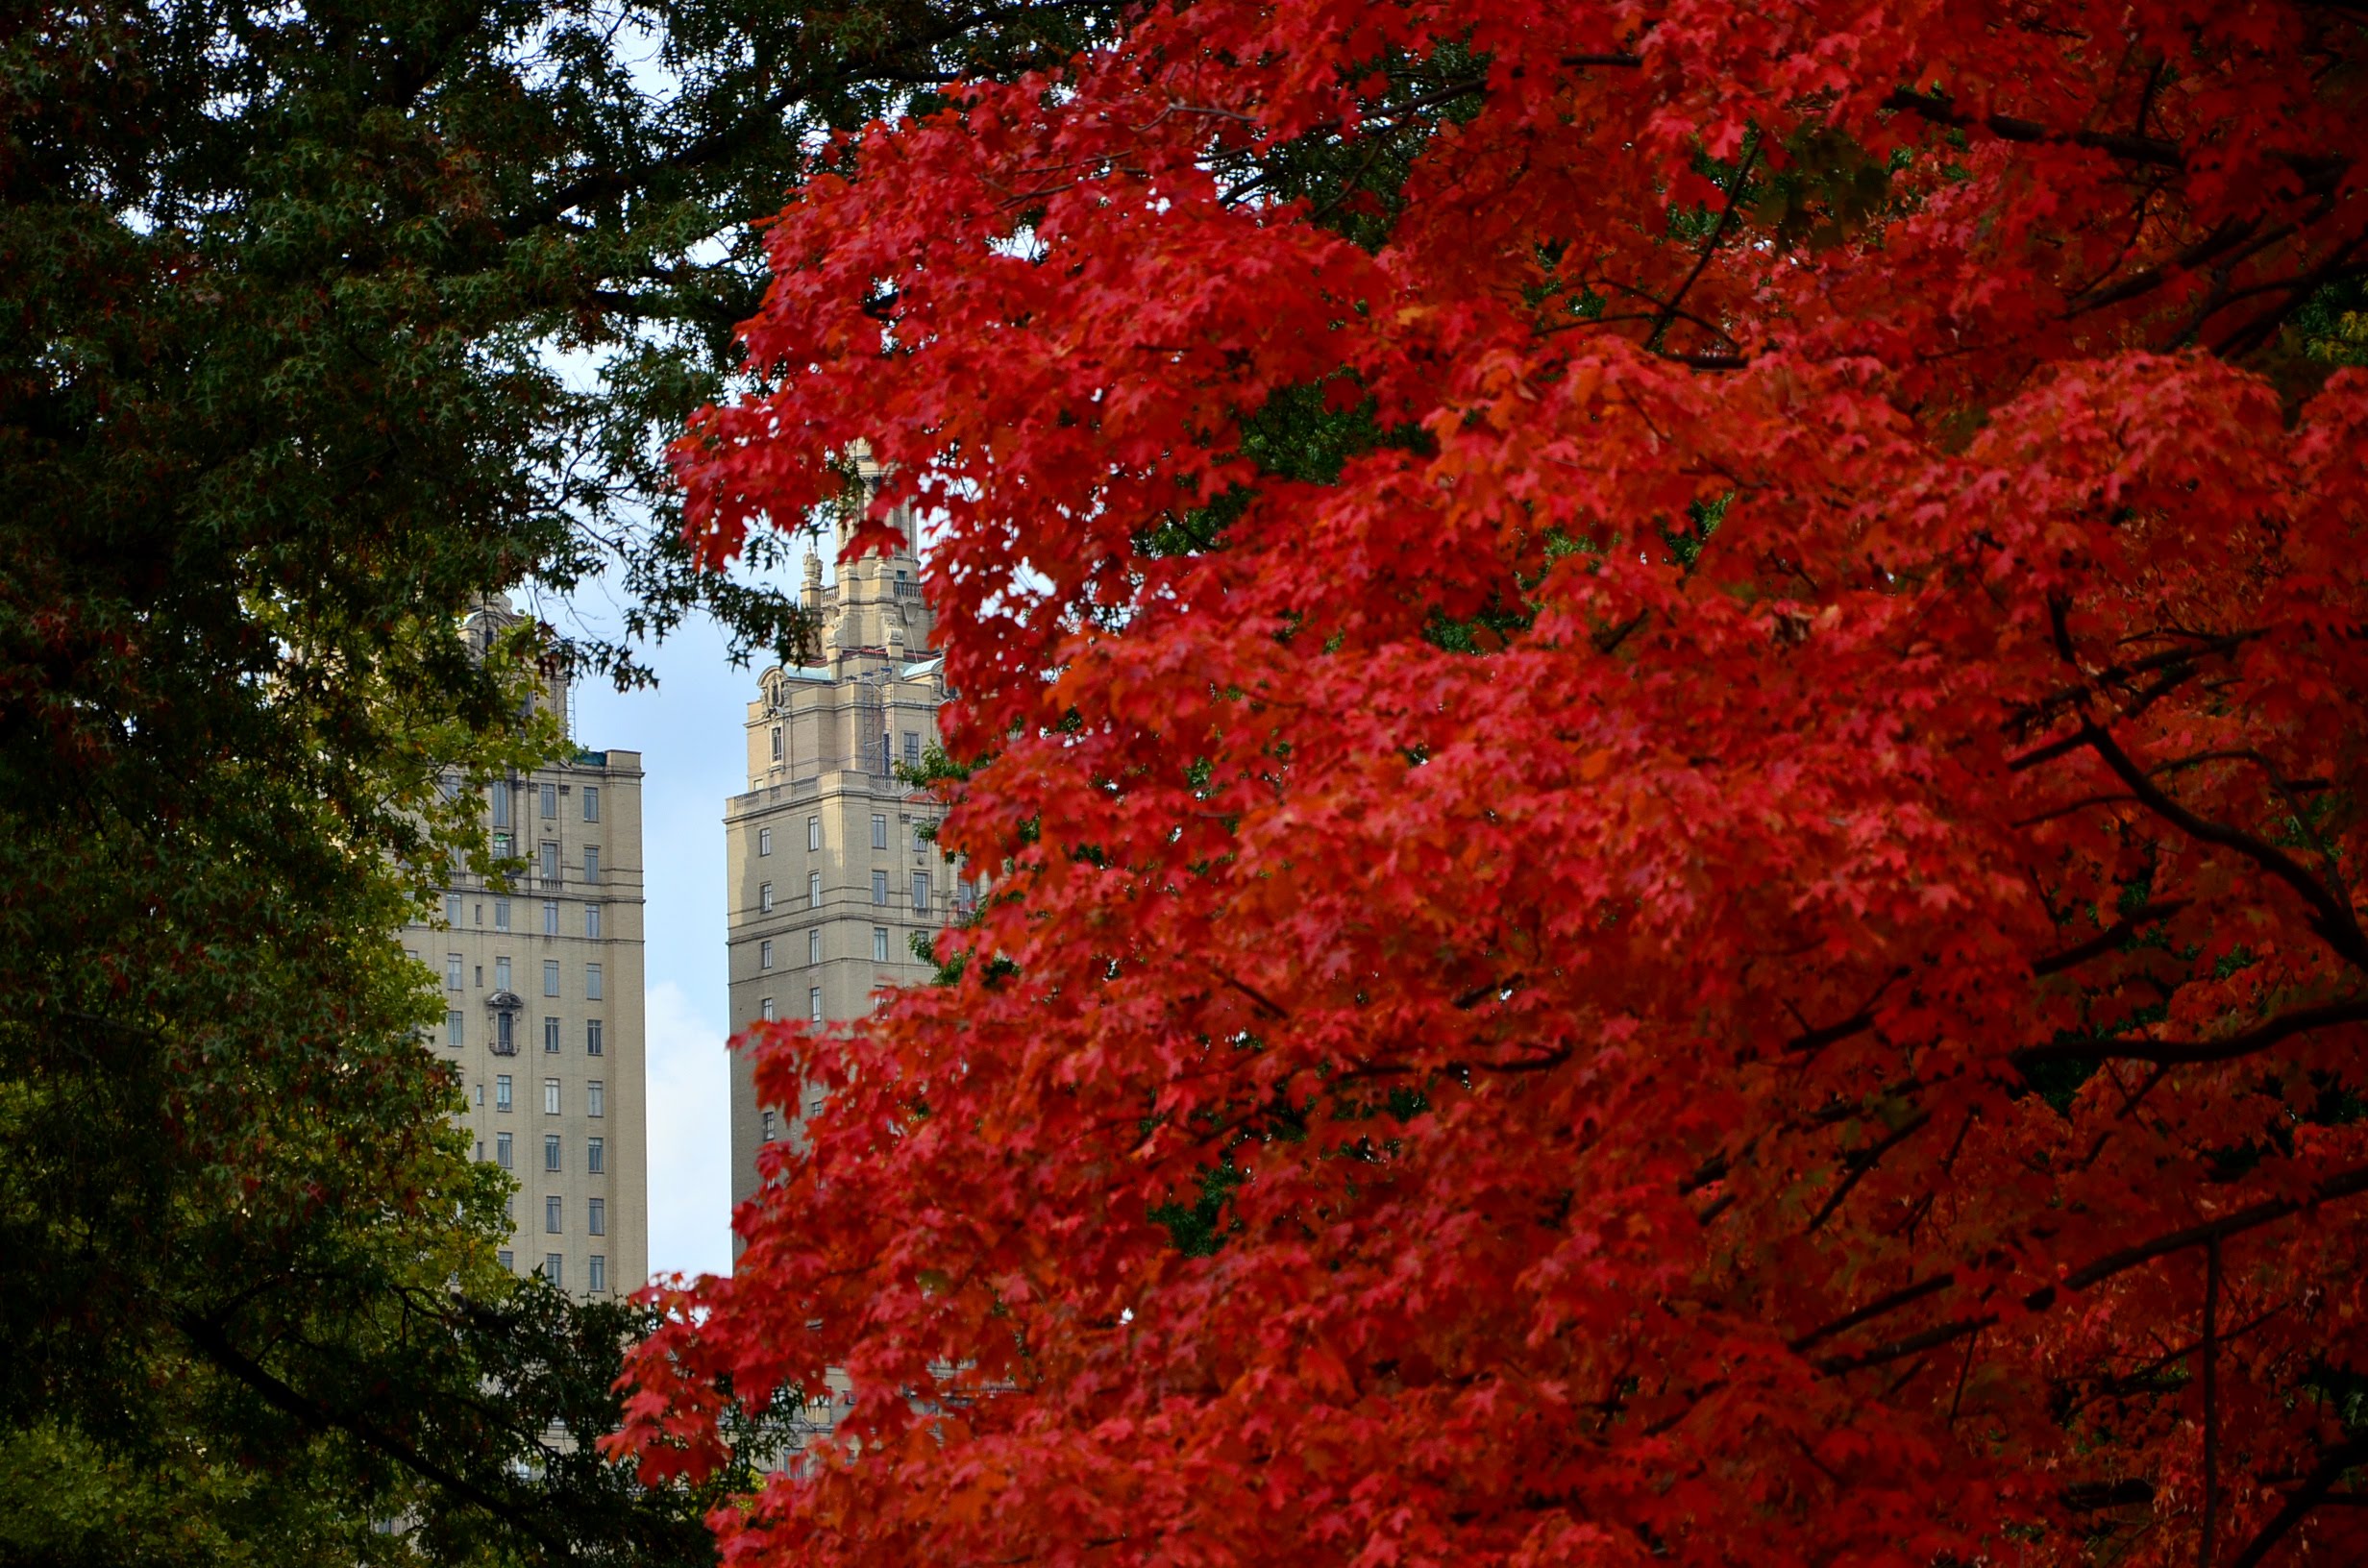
column 830, row 865
column 542, row 979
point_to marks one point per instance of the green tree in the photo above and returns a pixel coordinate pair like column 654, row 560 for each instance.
column 323, row 323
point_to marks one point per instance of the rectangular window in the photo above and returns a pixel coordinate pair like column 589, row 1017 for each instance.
column 596, row 1216
column 551, row 861
column 500, row 1093
column 764, row 897
column 912, row 750
column 507, row 1259
column 813, row 832
column 502, row 842
column 504, row 1039
column 921, row 837
column 777, row 743
column 595, row 1158
column 550, row 918
column 764, row 841
column 554, row 1210
column 880, row 945
column 591, row 804
column 880, row 831
column 550, row 799
column 452, row 909
column 451, row 971
column 551, row 1151
column 551, row 977
column 813, row 890
column 814, row 1004
column 594, row 1099
column 764, row 1007
column 500, row 805
column 764, row 954
column 500, row 975
column 592, row 920
column 551, row 1037
column 554, row 1270
column 813, row 947
column 551, row 1096
column 591, row 862
column 501, row 1150
column 591, row 982
column 921, row 892
column 451, row 1029
column 501, row 914
column 597, row 1277
column 879, row 887
column 768, row 1127
column 592, row 1037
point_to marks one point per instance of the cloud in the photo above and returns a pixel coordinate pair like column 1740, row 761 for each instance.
column 690, row 1138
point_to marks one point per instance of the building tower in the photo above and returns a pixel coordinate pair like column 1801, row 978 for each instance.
column 542, row 981
column 830, row 869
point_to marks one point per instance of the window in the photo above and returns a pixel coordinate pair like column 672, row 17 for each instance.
column 478, row 970
column 502, row 845
column 879, row 887
column 764, row 954
column 501, row 1150
column 591, row 804
column 481, row 1093
column 764, row 841
column 767, row 1126
column 554, row 1210
column 500, row 1093
column 452, row 909
column 592, row 920
column 880, row 831
column 596, row 1278
column 764, row 898
column 501, row 914
column 777, row 743
column 500, row 975
column 591, row 982
column 551, row 861
column 921, row 836
column 880, row 945
column 550, row 799
column 591, row 862
column 595, row 1158
column 912, row 750
column 596, row 1218
column 813, row 832
column 593, row 1098
column 508, row 1259
column 451, row 1029
column 451, row 971
column 551, row 1151
column 477, row 911
column 551, row 1037
column 553, row 1270
column 551, row 977
column 500, row 805
column 550, row 918
column 921, row 892
column 814, row 1003
column 505, row 1036
column 814, row 1106
column 551, row 1096
column 813, row 947
column 592, row 1037
column 813, row 890
column 764, row 1007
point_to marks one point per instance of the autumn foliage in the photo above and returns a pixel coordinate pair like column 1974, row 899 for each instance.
column 1672, row 798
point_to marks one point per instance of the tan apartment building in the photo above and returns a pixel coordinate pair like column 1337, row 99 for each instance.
column 542, row 982
column 830, row 867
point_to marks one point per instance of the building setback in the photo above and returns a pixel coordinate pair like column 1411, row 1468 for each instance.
column 542, row 983
column 831, row 867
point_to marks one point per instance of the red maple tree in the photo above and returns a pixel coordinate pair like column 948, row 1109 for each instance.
column 1727, row 936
